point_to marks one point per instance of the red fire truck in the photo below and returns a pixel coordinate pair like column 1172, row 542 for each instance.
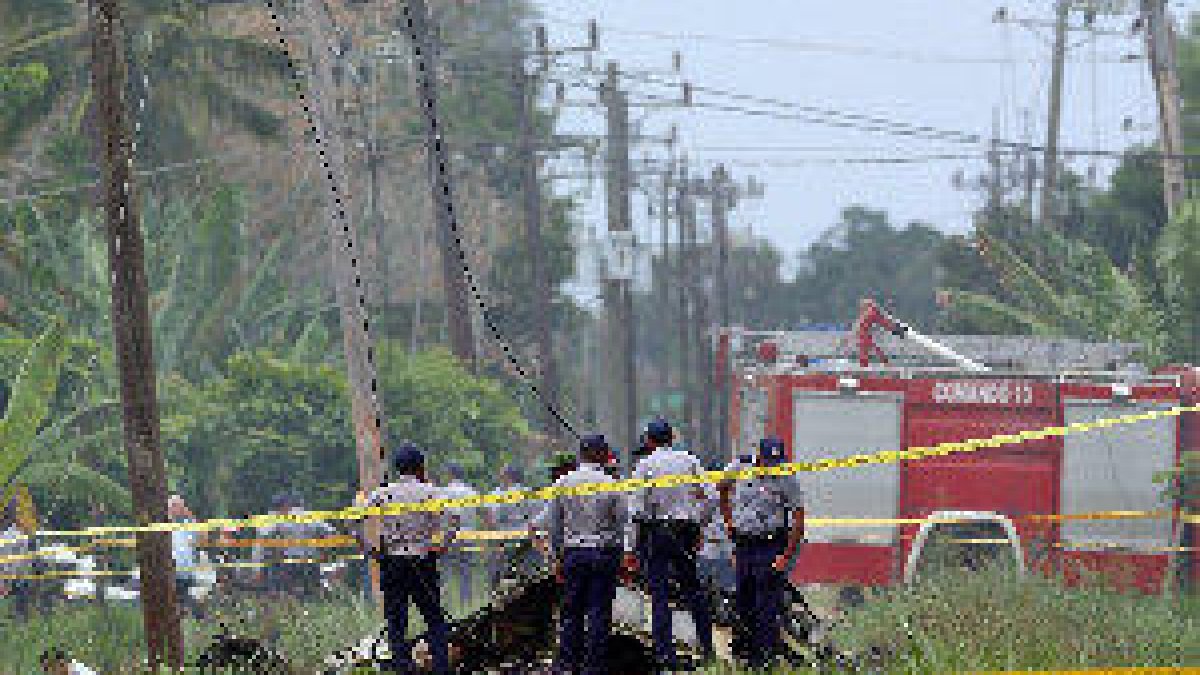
column 784, row 384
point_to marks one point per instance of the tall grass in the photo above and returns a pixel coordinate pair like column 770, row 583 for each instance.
column 994, row 620
column 109, row 638
column 952, row 621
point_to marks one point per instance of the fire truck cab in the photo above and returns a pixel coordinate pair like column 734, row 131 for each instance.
column 799, row 386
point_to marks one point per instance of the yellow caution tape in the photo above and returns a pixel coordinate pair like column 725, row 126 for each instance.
column 548, row 493
column 1093, row 670
column 61, row 574
column 511, row 535
column 502, row 536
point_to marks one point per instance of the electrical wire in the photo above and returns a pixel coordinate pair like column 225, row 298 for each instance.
column 166, row 168
column 807, row 46
column 901, row 129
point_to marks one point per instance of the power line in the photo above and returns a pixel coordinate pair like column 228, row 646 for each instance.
column 819, row 47
column 166, row 168
column 896, row 128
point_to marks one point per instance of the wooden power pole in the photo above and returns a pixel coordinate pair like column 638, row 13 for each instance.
column 700, row 279
column 619, row 285
column 133, row 338
column 458, row 310
column 346, row 260
column 1054, row 117
column 539, row 284
column 1162, row 50
column 663, row 278
column 683, row 273
column 722, row 202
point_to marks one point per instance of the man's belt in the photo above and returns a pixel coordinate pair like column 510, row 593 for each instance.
column 670, row 523
column 591, row 541
column 758, row 538
column 406, row 550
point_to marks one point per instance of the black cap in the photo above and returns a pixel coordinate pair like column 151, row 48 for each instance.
column 771, row 450
column 593, row 443
column 659, row 431
column 407, row 458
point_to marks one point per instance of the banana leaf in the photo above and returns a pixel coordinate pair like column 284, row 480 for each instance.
column 29, row 402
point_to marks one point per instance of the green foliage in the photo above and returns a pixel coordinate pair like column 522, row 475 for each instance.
column 23, row 92
column 1042, row 282
column 865, row 256
column 29, row 401
column 959, row 621
column 862, row 256
column 268, row 424
column 183, row 56
column 104, row 636
column 433, row 401
column 263, row 425
column 1178, row 265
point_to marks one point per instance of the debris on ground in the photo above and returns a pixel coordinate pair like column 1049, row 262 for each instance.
column 241, row 655
column 517, row 631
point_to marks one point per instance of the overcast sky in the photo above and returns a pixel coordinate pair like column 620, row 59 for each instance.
column 937, row 63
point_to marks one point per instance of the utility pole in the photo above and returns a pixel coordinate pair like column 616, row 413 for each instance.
column 722, row 201
column 683, row 277
column 1030, row 174
column 346, row 260
column 1162, row 49
column 701, row 278
column 538, row 282
column 664, row 277
column 133, row 338
column 458, row 312
column 619, row 285
column 1054, row 117
column 995, row 180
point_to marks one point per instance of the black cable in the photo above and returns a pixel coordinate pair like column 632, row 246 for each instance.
column 1012, row 146
column 432, row 118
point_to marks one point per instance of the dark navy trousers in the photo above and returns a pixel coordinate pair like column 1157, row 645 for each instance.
column 586, row 615
column 413, row 579
column 670, row 552
column 759, row 596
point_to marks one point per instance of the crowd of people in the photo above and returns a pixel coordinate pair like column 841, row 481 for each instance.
column 678, row 541
column 741, row 533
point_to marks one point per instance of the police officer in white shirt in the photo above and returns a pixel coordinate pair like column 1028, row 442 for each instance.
column 505, row 556
column 407, row 553
column 716, row 555
column 669, row 524
column 587, row 535
column 459, row 560
column 757, row 514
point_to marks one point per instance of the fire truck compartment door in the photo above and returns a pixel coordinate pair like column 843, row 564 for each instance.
column 1112, row 469
column 752, row 419
column 831, row 425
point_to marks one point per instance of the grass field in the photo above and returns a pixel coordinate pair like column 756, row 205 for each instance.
column 960, row 622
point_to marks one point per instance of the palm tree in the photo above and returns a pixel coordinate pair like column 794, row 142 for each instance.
column 197, row 81
column 1083, row 294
